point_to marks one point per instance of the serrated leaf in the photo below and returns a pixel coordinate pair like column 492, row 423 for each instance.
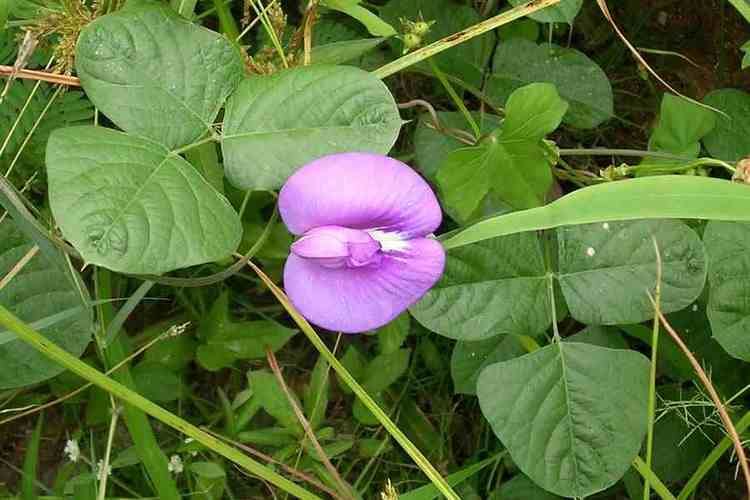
column 728, row 248
column 490, row 288
column 579, row 80
column 730, row 139
column 564, row 12
column 38, row 292
column 565, row 416
column 131, row 205
column 275, row 124
column 470, row 358
column 606, row 269
column 682, row 124
column 155, row 74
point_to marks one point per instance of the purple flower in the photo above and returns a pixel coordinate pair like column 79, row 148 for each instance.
column 363, row 256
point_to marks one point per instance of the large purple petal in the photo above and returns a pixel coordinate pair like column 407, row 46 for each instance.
column 359, row 191
column 353, row 300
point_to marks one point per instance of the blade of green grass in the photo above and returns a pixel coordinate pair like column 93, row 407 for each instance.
column 31, row 462
column 429, row 492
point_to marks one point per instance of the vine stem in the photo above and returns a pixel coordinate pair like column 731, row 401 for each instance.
column 440, row 483
column 54, row 352
column 645, row 471
column 462, row 36
column 652, row 376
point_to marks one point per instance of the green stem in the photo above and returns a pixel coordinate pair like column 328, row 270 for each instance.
column 462, row 36
column 652, row 379
column 742, row 425
column 227, row 24
column 674, row 168
column 346, row 377
column 55, row 353
column 188, row 147
column 621, row 152
column 647, row 474
column 456, row 99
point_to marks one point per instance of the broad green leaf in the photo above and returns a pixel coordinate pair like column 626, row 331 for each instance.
column 730, row 139
column 132, row 206
column 498, row 286
column 520, row 487
column 565, row 415
column 470, row 358
column 682, row 124
column 431, row 146
column 385, row 369
column 728, row 247
column 467, row 60
column 513, row 163
column 578, row 79
column 392, row 336
column 168, row 388
column 275, row 124
column 606, row 269
column 174, row 353
column 520, row 28
column 343, row 51
column 156, row 74
column 563, row 12
column 40, row 290
column 603, row 336
column 658, row 197
column 225, row 341
column 372, row 22
column 205, row 158
column 273, row 400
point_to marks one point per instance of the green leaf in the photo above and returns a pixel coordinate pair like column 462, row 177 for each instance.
column 343, row 51
column 375, row 25
column 39, row 292
column 275, row 124
column 210, row 480
column 467, row 60
column 174, row 353
column 355, row 363
column 606, row 269
column 513, row 163
column 385, row 369
column 603, row 336
column 578, row 79
column 494, row 287
column 520, row 487
column 205, row 159
column 682, row 124
column 273, row 400
column 728, row 247
column 431, row 146
column 156, row 74
column 392, row 336
column 565, row 416
column 225, row 341
column 658, row 197
column 730, row 140
column 470, row 358
column 746, row 58
column 520, row 28
column 31, row 462
column 430, row 492
column 168, row 388
column 131, row 205
column 318, row 393
column 563, row 12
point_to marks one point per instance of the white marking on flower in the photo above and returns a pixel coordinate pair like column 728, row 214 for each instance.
column 590, row 251
column 389, row 241
column 72, row 451
column 175, row 464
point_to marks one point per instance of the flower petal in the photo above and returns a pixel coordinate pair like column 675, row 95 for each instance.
column 353, row 300
column 359, row 191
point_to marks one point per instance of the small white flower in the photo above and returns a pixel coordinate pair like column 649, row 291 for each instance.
column 72, row 451
column 175, row 464
column 606, row 226
column 590, row 251
column 101, row 471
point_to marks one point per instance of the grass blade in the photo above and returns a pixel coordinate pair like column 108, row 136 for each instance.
column 31, row 462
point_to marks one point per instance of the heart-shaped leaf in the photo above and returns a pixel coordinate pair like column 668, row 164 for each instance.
column 730, row 139
column 131, row 205
column 565, row 415
column 156, row 74
column 275, row 124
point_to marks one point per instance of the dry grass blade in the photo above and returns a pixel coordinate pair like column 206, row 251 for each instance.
column 706, row 381
column 343, row 487
column 19, row 265
column 45, row 76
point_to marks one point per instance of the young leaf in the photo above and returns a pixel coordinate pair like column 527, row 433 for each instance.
column 385, row 369
column 392, row 336
column 682, row 124
column 563, row 12
column 730, row 139
column 513, row 163
column 343, row 51
column 375, row 25
column 131, row 205
column 728, row 247
column 606, row 269
column 470, row 358
column 156, row 74
column 565, row 416
column 40, row 292
column 579, row 80
column 272, row 398
column 494, row 287
column 275, row 124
